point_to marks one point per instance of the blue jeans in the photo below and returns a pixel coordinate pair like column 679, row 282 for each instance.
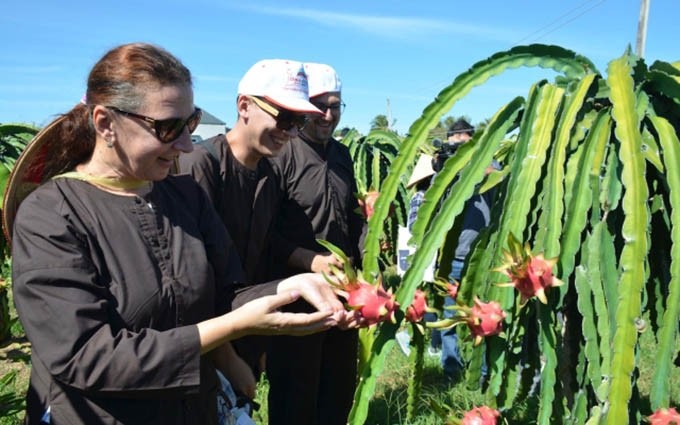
column 451, row 361
column 435, row 334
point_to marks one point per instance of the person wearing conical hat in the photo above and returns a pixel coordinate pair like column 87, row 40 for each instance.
column 124, row 277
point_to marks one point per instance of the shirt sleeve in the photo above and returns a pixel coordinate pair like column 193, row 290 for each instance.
column 414, row 205
column 69, row 317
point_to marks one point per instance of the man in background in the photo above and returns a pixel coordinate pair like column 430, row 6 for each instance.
column 477, row 215
column 313, row 378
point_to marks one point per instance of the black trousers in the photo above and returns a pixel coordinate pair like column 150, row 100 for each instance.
column 312, row 378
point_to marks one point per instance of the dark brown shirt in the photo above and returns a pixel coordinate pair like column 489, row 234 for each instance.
column 109, row 289
column 320, row 196
column 247, row 201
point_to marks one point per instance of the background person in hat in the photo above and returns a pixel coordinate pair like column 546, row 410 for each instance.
column 420, row 181
column 123, row 276
column 476, row 216
column 312, row 379
column 272, row 105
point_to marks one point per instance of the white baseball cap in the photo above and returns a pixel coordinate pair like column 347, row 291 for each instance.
column 280, row 81
column 322, row 79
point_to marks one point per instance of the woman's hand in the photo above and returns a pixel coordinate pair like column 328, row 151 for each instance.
column 262, row 317
column 350, row 319
column 314, row 288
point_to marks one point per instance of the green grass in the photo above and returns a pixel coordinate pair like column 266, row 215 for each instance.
column 389, row 404
column 14, row 372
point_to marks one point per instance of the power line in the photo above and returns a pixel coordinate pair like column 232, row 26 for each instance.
column 560, row 18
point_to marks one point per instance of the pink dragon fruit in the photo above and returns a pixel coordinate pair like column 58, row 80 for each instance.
column 452, row 289
column 531, row 274
column 446, row 288
column 481, row 416
column 367, row 202
column 485, row 319
column 416, row 311
column 372, row 301
column 664, row 416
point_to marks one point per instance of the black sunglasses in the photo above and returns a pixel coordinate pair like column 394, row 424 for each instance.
column 334, row 107
column 167, row 130
column 285, row 119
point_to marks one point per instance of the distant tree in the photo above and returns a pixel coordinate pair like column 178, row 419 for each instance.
column 439, row 131
column 380, row 122
column 482, row 124
column 342, row 132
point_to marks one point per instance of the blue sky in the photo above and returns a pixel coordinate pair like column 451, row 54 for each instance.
column 399, row 53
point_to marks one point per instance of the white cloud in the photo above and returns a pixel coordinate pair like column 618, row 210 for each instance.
column 385, row 26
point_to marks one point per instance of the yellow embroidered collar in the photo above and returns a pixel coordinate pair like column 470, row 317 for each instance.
column 105, row 182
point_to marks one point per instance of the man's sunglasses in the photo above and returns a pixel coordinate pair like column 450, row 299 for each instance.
column 285, row 120
column 334, row 107
column 167, row 130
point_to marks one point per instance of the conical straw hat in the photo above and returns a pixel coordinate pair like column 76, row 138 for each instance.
column 36, row 164
column 422, row 170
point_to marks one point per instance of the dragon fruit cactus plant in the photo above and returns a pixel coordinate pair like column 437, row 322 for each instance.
column 664, row 416
column 371, row 300
column 530, row 274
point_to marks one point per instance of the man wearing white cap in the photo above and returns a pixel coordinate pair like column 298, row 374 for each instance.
column 312, row 379
column 272, row 106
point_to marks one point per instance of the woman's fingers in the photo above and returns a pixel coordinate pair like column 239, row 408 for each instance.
column 307, row 323
column 314, row 289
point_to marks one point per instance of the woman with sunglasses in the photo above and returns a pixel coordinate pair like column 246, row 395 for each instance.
column 125, row 280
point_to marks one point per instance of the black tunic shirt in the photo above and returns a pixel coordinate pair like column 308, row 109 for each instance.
column 109, row 289
column 247, row 201
column 320, row 196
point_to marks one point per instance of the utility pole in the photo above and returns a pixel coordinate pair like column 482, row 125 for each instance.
column 642, row 28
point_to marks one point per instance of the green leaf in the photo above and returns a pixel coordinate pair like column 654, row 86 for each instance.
column 581, row 193
column 668, row 333
column 553, row 207
column 634, row 234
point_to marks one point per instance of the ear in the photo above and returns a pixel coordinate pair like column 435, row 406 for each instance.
column 243, row 103
column 102, row 119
